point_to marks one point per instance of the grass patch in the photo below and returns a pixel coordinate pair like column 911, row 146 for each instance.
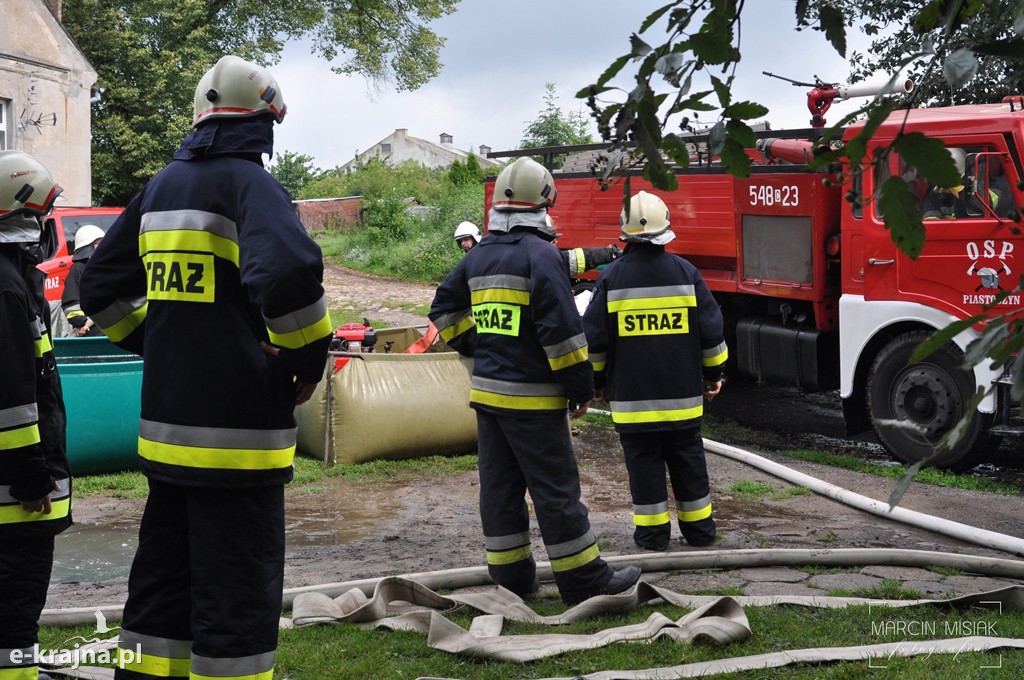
column 817, row 570
column 747, row 489
column 889, row 589
column 945, row 571
column 308, row 470
column 130, row 484
column 791, row 491
column 345, row 651
column 830, row 537
column 932, row 476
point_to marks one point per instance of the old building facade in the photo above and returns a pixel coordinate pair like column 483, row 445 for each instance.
column 45, row 90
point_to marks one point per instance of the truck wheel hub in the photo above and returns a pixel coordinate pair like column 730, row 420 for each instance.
column 923, row 397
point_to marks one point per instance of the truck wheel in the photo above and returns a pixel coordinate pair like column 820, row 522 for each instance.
column 933, row 394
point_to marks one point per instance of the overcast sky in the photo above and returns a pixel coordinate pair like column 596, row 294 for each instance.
column 497, row 59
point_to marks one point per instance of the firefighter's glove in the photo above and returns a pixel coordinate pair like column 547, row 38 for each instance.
column 615, row 252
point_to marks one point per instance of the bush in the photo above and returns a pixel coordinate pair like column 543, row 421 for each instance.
column 394, row 241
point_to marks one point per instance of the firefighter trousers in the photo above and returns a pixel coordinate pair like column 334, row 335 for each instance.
column 535, row 454
column 205, row 589
column 25, row 566
column 648, row 454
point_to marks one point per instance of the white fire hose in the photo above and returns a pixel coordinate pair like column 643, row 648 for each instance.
column 707, row 559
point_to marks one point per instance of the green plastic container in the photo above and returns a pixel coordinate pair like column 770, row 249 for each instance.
column 102, row 387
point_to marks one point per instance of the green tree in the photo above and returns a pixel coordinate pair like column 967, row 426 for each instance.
column 294, row 171
column 149, row 55
column 553, row 127
column 895, row 38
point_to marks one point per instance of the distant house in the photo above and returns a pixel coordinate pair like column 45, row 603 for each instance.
column 45, row 91
column 400, row 146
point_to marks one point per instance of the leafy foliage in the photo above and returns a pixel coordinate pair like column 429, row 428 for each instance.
column 398, row 237
column 552, row 127
column 978, row 46
column 294, row 171
column 150, row 54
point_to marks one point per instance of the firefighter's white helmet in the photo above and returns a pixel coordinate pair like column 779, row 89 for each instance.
column 236, row 88
column 648, row 220
column 86, row 234
column 523, row 186
column 467, row 229
column 27, row 191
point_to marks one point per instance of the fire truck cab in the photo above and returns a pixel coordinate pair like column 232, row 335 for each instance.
column 813, row 289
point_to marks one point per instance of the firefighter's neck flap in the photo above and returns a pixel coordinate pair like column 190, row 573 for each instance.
column 535, row 219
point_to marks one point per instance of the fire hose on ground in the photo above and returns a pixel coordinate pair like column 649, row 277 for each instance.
column 708, row 559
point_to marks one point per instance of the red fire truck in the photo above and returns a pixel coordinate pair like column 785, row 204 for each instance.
column 814, row 291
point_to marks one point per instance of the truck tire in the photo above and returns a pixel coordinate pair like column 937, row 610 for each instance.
column 932, row 393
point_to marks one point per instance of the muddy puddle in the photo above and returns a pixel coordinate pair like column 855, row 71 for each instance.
column 330, row 513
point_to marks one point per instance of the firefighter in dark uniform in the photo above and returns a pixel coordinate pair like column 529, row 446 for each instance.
column 87, row 238
column 211, row 278
column 35, row 485
column 658, row 349
column 508, row 305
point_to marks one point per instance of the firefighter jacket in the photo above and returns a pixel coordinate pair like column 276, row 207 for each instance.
column 32, row 417
column 207, row 261
column 508, row 305
column 579, row 260
column 69, row 301
column 656, row 333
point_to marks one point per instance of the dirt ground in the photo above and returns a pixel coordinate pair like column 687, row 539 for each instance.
column 350, row 530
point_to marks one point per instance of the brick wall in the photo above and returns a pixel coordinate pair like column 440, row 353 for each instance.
column 322, row 213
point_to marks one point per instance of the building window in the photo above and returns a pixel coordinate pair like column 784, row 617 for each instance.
column 385, row 148
column 5, row 105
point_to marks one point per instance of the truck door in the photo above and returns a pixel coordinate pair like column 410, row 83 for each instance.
column 970, row 254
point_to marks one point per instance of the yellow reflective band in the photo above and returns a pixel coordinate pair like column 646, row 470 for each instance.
column 19, row 437
column 180, row 240
column 695, row 515
column 577, row 560
column 652, row 520
column 716, row 360
column 77, row 312
column 508, row 556
column 637, row 304
column 654, row 322
column 13, row 514
column 265, row 675
column 571, row 359
column 303, row 336
column 599, row 365
column 519, row 403
column 43, row 345
column 630, row 417
column 458, row 329
column 123, row 328
column 158, row 666
column 581, row 261
column 505, row 295
column 497, row 318
column 216, row 459
column 180, row 277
